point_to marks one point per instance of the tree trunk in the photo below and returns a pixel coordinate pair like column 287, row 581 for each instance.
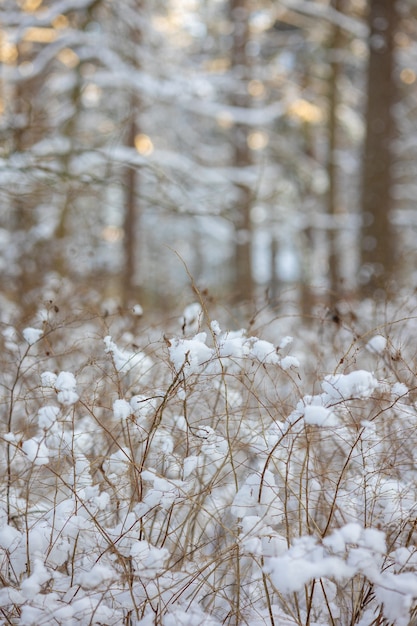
column 244, row 286
column 378, row 250
column 129, row 283
column 130, row 217
column 334, row 261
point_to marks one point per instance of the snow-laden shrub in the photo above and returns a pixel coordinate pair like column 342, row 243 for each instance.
column 207, row 478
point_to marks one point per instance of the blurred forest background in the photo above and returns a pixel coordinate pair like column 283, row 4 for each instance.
column 269, row 144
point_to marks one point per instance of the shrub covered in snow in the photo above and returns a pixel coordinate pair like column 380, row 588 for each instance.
column 207, row 476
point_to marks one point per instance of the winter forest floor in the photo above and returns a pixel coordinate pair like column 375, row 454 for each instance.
column 194, row 472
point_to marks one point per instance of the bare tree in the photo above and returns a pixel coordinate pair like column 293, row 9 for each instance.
column 244, row 285
column 378, row 242
column 335, row 45
column 132, row 182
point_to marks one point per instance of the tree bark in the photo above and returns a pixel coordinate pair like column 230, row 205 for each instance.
column 378, row 244
column 334, row 261
column 244, row 285
column 129, row 283
column 130, row 217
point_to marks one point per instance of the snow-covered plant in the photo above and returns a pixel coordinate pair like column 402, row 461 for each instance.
column 207, row 475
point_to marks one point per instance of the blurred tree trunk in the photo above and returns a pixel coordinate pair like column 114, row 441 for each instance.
column 129, row 281
column 335, row 46
column 69, row 191
column 244, row 285
column 378, row 245
column 131, row 215
column 28, row 125
column 71, row 130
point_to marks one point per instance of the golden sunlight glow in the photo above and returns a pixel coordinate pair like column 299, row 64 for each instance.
column 161, row 24
column 68, row 57
column 256, row 88
column 257, row 140
column 91, row 95
column 60, row 21
column 225, row 119
column 305, row 111
column 31, row 5
column 402, row 40
column 408, row 76
column 143, row 144
column 1, row 106
column 217, row 66
column 40, row 35
column 8, row 51
column 359, row 48
column 112, row 234
column 171, row 24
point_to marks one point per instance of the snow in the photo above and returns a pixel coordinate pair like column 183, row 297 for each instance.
column 194, row 355
column 377, row 344
column 358, row 384
column 47, row 416
column 137, row 310
column 48, row 379
column 397, row 602
column 264, row 351
column 9, row 536
column 288, row 362
column 319, row 416
column 354, row 534
column 233, row 344
column 192, row 318
column 213, row 459
column 126, row 361
column 36, row 451
column 202, row 470
column 190, row 355
column 258, row 497
column 399, row 389
column 11, row 437
column 284, row 342
column 95, row 577
column 66, row 386
column 32, row 335
column 303, row 562
column 142, row 406
column 32, row 585
column 121, row 409
column 147, row 559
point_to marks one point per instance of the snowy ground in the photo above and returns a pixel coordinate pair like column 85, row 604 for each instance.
column 209, row 475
